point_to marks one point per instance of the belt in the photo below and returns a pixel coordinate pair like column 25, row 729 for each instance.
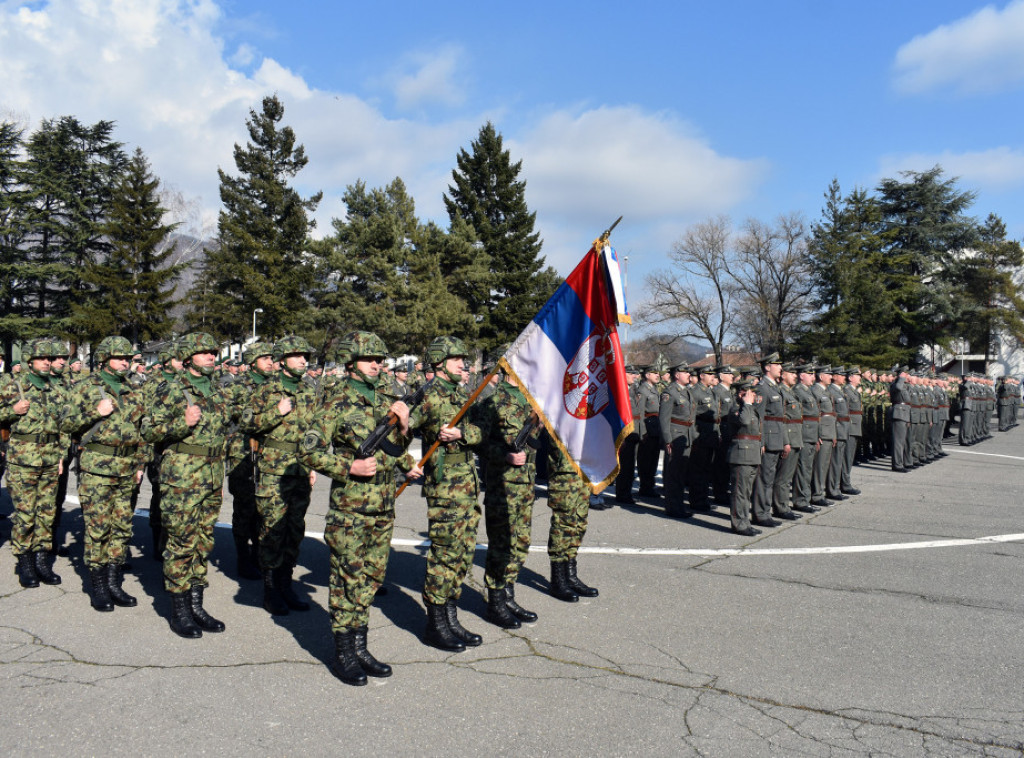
column 650, row 415
column 780, row 419
column 120, row 451
column 826, row 413
column 749, row 437
column 462, row 457
column 39, row 439
column 682, row 423
column 201, row 451
column 856, row 413
column 843, row 418
column 811, row 418
column 287, row 447
column 385, row 476
column 794, row 421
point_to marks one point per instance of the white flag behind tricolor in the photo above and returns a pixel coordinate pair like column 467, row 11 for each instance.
column 568, row 362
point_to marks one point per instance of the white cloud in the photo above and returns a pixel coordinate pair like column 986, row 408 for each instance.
column 981, row 53
column 433, row 81
column 1001, row 168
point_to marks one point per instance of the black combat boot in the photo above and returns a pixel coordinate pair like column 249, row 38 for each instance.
column 438, row 633
column 273, row 603
column 43, row 570
column 203, row 620
column 344, row 664
column 26, row 571
column 451, row 612
column 517, row 610
column 117, row 594
column 560, row 586
column 182, row 623
column 579, row 587
column 159, row 541
column 247, row 567
column 497, row 609
column 370, row 665
column 284, row 587
column 101, row 599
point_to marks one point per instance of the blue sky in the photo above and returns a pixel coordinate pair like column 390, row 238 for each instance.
column 665, row 112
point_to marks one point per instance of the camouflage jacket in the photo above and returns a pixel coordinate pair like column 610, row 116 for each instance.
column 240, row 392
column 36, row 440
column 505, row 413
column 330, row 444
column 451, row 470
column 279, row 436
column 110, row 445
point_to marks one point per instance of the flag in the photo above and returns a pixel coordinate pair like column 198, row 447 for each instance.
column 569, row 364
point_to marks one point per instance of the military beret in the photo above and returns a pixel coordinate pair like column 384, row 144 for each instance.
column 773, row 358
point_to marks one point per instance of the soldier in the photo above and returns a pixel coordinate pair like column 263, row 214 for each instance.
column 855, row 412
column 650, row 433
column 31, row 408
column 61, row 379
column 104, row 412
column 508, row 501
column 810, row 442
column 190, row 417
column 676, row 422
column 720, row 472
column 569, row 500
column 361, row 516
column 452, row 491
column 241, row 458
column 793, row 429
column 771, row 407
column 628, row 449
column 278, row 413
column 706, row 440
column 833, row 484
column 899, row 395
column 827, row 435
column 744, row 455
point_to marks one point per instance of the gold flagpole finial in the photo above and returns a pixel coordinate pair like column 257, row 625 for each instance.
column 599, row 242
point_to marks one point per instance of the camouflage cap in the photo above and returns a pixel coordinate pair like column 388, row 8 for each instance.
column 291, row 345
column 113, row 347
column 256, row 350
column 443, row 348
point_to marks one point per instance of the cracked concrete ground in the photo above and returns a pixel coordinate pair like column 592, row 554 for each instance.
column 901, row 653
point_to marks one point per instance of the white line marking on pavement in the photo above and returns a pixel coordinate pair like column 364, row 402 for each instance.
column 992, row 455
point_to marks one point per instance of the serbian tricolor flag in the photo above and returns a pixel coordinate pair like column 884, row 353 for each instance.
column 568, row 362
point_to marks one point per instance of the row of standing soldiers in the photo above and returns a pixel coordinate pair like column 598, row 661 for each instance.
column 269, row 432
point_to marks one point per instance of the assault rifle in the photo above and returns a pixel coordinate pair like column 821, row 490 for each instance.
column 377, row 438
column 523, row 438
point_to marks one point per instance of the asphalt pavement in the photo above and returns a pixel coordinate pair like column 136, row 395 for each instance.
column 889, row 624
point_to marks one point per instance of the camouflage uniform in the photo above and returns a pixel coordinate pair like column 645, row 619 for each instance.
column 569, row 500
column 452, row 491
column 156, row 453
column 34, row 452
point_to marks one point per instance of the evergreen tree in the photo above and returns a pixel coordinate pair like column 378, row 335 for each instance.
column 14, row 322
column 488, row 195
column 263, row 251
column 68, row 178
column 134, row 285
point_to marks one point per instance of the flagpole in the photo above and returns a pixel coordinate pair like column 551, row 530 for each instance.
column 458, row 417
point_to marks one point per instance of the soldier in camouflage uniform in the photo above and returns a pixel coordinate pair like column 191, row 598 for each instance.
column 30, row 406
column 245, row 518
column 508, row 500
column 569, row 500
column 60, row 378
column 190, row 417
column 452, row 491
column 104, row 412
column 361, row 516
column 278, row 413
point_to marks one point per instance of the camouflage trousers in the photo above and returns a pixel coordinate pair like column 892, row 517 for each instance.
column 245, row 517
column 189, row 510
column 360, row 544
column 569, row 501
column 452, row 530
column 282, row 502
column 107, row 513
column 508, row 507
column 34, row 494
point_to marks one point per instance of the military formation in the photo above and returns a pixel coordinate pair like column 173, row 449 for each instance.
column 268, row 424
column 780, row 439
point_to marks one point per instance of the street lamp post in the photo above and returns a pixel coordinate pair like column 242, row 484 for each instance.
column 258, row 310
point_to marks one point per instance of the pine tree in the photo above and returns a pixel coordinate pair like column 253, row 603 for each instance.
column 488, row 196
column 14, row 322
column 134, row 284
column 263, row 251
